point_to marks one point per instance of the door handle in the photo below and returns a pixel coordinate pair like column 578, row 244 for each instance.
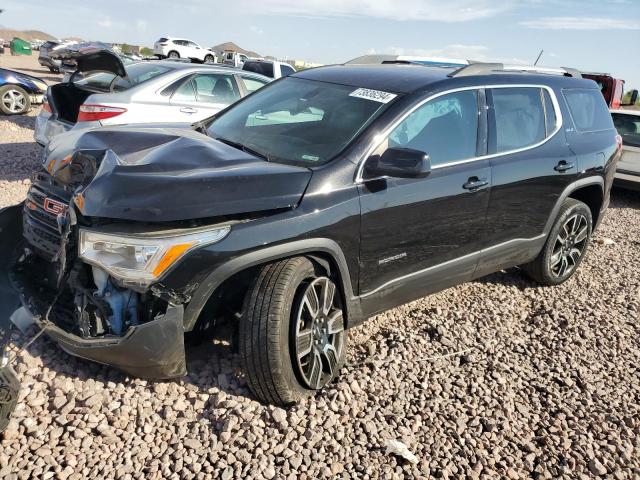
column 475, row 183
column 563, row 166
column 188, row 110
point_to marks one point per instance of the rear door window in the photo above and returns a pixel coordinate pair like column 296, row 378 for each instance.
column 628, row 127
column 185, row 93
column 517, row 117
column 588, row 109
column 216, row 88
column 445, row 128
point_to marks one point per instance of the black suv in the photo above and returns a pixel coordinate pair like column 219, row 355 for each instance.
column 314, row 203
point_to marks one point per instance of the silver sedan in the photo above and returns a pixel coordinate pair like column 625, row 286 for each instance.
column 109, row 93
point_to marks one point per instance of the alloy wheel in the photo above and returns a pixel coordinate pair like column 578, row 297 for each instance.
column 569, row 245
column 14, row 101
column 319, row 333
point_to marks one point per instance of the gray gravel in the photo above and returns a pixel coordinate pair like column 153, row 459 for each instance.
column 548, row 386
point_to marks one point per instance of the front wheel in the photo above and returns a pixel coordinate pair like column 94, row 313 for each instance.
column 14, row 100
column 565, row 247
column 292, row 336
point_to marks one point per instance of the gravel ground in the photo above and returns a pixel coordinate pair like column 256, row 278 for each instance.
column 547, row 386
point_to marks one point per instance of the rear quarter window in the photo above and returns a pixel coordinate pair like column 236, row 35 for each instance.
column 588, row 109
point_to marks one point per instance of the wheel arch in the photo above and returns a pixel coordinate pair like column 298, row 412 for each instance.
column 324, row 252
column 589, row 189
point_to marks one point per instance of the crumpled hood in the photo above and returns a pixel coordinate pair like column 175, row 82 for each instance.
column 167, row 174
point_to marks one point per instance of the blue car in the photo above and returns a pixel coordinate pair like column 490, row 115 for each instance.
column 19, row 91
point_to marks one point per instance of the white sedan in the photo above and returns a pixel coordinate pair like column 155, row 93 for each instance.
column 627, row 123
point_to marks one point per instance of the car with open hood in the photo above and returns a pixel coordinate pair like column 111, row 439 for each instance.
column 19, row 91
column 294, row 215
column 103, row 90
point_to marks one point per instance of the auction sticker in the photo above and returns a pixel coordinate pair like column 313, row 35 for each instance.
column 375, row 95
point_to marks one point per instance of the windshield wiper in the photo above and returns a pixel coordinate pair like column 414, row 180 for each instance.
column 244, row 148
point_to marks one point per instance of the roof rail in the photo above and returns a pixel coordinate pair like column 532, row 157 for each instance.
column 480, row 68
column 477, row 69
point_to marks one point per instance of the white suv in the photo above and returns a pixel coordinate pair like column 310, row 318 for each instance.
column 168, row 47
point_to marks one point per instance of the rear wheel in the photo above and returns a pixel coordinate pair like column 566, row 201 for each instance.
column 292, row 337
column 209, row 59
column 14, row 100
column 173, row 54
column 565, row 247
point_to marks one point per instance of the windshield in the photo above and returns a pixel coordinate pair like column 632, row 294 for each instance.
column 137, row 73
column 300, row 121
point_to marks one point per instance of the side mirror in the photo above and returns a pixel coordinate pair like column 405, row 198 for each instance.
column 398, row 163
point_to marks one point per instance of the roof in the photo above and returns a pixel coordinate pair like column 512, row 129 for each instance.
column 189, row 65
column 405, row 79
column 388, row 78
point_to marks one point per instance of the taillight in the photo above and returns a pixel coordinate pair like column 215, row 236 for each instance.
column 45, row 105
column 93, row 113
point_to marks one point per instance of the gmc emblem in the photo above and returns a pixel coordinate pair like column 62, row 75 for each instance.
column 53, row 206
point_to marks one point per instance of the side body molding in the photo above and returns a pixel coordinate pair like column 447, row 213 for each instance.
column 310, row 247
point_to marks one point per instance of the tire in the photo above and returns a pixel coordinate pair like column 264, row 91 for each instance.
column 14, row 100
column 280, row 345
column 173, row 54
column 558, row 261
column 208, row 59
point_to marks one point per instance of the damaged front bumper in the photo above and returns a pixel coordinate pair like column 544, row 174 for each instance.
column 152, row 350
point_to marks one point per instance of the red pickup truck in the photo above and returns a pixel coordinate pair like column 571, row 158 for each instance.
column 611, row 88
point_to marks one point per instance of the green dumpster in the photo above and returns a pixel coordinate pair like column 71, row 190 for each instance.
column 19, row 46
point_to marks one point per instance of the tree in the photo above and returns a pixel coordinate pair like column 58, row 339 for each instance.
column 146, row 52
column 126, row 49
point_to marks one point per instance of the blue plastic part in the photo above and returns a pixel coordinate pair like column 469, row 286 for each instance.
column 123, row 303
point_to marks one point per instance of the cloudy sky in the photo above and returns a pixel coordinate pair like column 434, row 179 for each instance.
column 594, row 35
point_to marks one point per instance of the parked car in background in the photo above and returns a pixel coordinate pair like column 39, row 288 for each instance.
column 234, row 59
column 269, row 68
column 105, row 91
column 45, row 59
column 168, row 47
column 627, row 123
column 611, row 88
column 19, row 91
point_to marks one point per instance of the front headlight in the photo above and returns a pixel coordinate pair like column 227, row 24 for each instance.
column 142, row 259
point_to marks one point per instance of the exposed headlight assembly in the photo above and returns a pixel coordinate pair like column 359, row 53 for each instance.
column 142, row 259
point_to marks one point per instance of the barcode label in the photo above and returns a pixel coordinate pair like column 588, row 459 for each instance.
column 375, row 95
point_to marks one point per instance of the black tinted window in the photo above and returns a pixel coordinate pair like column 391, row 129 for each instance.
column 445, row 128
column 263, row 68
column 163, row 40
column 287, row 70
column 628, row 127
column 518, row 119
column 588, row 109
